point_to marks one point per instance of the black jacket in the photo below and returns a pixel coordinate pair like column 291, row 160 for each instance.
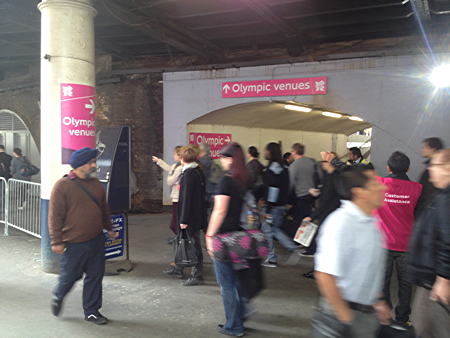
column 192, row 201
column 329, row 199
column 428, row 191
column 276, row 183
column 5, row 165
column 255, row 171
column 429, row 255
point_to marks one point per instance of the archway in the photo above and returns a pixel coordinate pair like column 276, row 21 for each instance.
column 256, row 123
column 14, row 133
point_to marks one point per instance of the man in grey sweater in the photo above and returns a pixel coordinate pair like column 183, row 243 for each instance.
column 301, row 174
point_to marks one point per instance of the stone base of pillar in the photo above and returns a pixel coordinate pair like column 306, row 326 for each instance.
column 49, row 260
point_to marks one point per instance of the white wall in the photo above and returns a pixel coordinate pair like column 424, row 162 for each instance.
column 392, row 93
column 260, row 137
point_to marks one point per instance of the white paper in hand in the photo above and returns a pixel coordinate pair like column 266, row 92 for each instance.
column 305, row 233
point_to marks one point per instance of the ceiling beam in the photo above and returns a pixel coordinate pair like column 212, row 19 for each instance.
column 295, row 44
column 266, row 13
column 423, row 9
column 163, row 30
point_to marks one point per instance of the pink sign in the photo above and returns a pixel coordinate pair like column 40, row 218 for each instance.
column 215, row 141
column 281, row 87
column 77, row 118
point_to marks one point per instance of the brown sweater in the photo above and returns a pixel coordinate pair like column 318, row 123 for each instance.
column 73, row 216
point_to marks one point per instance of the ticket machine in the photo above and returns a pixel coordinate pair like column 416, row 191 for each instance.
column 113, row 169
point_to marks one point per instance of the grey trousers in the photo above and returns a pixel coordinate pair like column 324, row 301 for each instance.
column 429, row 318
column 364, row 325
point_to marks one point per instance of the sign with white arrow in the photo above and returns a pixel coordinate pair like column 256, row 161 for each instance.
column 215, row 141
column 278, row 87
column 77, row 118
column 116, row 247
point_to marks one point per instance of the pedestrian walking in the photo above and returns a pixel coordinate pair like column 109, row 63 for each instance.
column 430, row 146
column 349, row 263
column 276, row 198
column 21, row 167
column 211, row 170
column 329, row 201
column 173, row 181
column 191, row 212
column 255, row 170
column 355, row 158
column 78, row 216
column 396, row 219
column 5, row 163
column 302, row 173
column 429, row 257
column 225, row 235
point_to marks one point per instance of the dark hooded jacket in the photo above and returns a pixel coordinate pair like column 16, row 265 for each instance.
column 429, row 253
column 276, row 184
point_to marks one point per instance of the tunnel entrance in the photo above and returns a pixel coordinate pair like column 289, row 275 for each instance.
column 287, row 122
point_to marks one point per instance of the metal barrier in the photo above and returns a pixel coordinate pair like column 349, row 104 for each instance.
column 23, row 207
column 4, row 204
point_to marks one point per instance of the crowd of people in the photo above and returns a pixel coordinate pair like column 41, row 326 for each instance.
column 16, row 166
column 369, row 226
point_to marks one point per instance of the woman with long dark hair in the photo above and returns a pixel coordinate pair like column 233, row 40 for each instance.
column 226, row 220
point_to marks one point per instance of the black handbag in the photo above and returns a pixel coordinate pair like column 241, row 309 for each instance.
column 185, row 252
column 251, row 279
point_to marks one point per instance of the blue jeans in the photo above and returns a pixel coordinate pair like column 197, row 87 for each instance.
column 232, row 300
column 273, row 230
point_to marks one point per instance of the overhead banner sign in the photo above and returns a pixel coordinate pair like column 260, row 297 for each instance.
column 279, row 87
column 215, row 141
column 77, row 118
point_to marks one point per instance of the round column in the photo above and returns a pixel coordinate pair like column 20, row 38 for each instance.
column 67, row 57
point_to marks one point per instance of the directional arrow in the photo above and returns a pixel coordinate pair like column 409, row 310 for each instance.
column 91, row 106
column 228, row 140
column 117, row 252
column 226, row 88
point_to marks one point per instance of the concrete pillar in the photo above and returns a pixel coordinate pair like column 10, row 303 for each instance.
column 67, row 56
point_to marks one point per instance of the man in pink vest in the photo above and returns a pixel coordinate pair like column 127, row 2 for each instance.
column 396, row 219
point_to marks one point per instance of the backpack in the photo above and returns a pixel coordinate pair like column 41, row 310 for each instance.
column 3, row 171
column 215, row 173
column 28, row 169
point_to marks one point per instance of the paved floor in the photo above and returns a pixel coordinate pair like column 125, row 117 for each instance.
column 143, row 303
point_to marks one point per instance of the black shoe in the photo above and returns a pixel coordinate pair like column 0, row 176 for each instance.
column 193, row 281
column 404, row 325
column 222, row 330
column 174, row 272
column 309, row 275
column 56, row 307
column 97, row 319
column 305, row 252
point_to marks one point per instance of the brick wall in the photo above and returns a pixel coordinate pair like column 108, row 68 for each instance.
column 136, row 101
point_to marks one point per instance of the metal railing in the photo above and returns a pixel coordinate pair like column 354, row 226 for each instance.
column 23, row 207
column 4, row 204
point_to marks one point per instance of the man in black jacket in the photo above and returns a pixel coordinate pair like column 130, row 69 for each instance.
column 429, row 266
column 429, row 147
column 5, row 163
column 192, row 210
column 276, row 197
column 329, row 201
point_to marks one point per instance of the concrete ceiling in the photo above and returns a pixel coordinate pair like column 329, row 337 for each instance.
column 273, row 115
